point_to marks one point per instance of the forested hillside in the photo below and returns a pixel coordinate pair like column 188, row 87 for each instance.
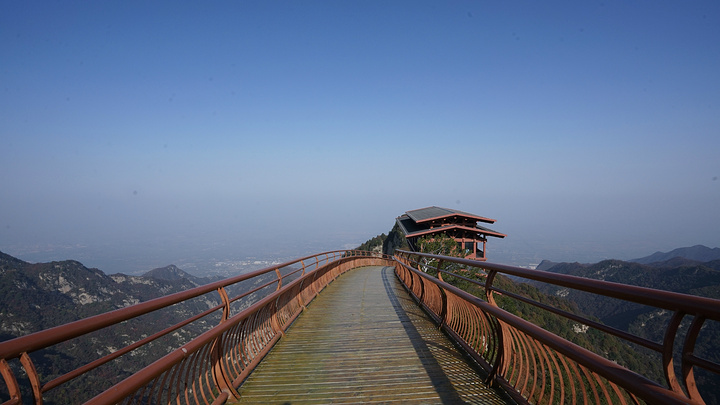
column 386, row 244
column 38, row 296
column 676, row 274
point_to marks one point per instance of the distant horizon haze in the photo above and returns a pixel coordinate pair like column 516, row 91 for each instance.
column 138, row 260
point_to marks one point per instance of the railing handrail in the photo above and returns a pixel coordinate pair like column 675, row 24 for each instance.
column 603, row 366
column 20, row 347
column 700, row 308
column 138, row 379
column 281, row 306
column 690, row 304
column 13, row 348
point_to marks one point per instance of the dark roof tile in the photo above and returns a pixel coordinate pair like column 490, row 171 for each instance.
column 430, row 213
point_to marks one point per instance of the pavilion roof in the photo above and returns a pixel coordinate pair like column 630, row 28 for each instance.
column 431, row 213
column 412, row 228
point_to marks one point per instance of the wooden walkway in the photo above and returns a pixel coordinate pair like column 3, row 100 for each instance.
column 364, row 340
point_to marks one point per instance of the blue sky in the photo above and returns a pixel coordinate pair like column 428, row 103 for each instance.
column 165, row 130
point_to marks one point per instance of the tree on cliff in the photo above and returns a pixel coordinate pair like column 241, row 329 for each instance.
column 395, row 240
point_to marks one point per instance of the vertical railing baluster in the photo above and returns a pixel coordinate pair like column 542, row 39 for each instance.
column 502, row 359
column 444, row 310
column 299, row 297
column 274, row 321
column 221, row 379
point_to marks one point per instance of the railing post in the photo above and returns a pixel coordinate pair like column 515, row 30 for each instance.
column 411, row 278
column 226, row 304
column 279, row 276
column 10, row 381
column 444, row 310
column 667, row 354
column 32, row 374
column 502, row 335
column 488, row 288
column 687, row 366
column 222, row 381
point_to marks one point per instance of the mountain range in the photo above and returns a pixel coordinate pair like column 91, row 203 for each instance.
column 692, row 270
column 42, row 295
column 676, row 257
column 37, row 296
column 683, row 270
column 698, row 253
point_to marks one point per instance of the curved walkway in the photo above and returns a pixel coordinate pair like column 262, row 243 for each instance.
column 364, row 340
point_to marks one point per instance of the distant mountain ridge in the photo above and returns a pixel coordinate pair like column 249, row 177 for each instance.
column 170, row 272
column 37, row 296
column 174, row 273
column 678, row 257
column 683, row 270
column 698, row 253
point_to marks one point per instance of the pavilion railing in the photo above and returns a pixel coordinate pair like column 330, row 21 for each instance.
column 536, row 366
column 210, row 367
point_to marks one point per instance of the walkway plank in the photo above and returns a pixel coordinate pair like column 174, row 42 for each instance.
column 363, row 340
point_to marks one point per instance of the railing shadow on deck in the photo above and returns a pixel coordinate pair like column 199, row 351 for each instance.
column 536, row 366
column 444, row 388
column 207, row 369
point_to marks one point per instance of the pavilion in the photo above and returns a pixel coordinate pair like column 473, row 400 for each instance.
column 459, row 225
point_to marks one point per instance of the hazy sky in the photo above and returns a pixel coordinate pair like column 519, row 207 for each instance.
column 170, row 129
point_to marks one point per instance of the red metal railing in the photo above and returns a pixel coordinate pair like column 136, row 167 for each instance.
column 536, row 366
column 532, row 364
column 210, row 367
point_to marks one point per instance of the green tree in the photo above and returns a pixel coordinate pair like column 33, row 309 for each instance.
column 440, row 245
column 395, row 240
column 443, row 245
column 373, row 245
